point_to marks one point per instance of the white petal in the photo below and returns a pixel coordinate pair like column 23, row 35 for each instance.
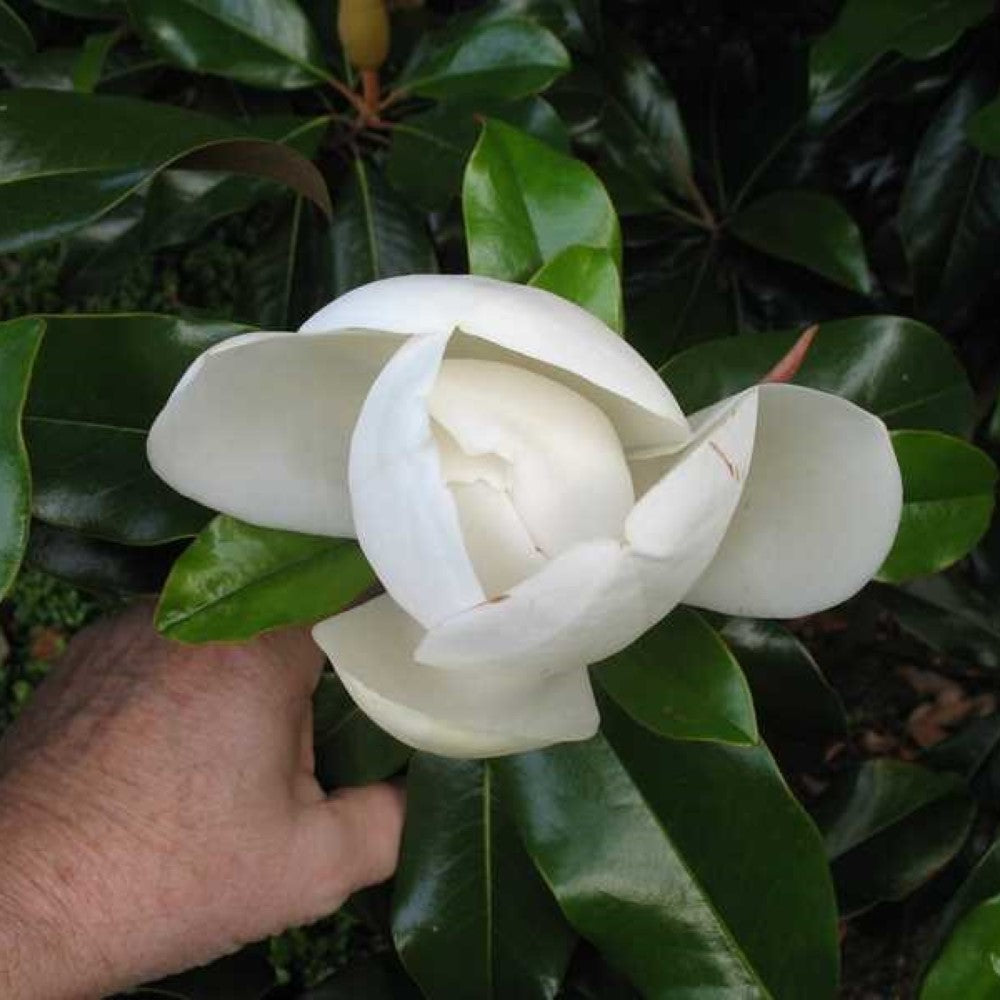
column 568, row 478
column 546, row 333
column 479, row 713
column 598, row 597
column 502, row 552
column 404, row 514
column 819, row 512
column 260, row 426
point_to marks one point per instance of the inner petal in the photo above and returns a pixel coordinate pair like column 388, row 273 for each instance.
column 553, row 454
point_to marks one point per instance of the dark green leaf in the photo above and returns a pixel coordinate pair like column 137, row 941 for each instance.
column 524, row 203
column 96, row 256
column 99, row 382
column 680, row 680
column 889, row 827
column 67, row 158
column 576, row 22
column 95, row 565
column 503, row 58
column 689, row 865
column 350, row 749
column 983, row 128
column 90, row 64
column 237, row 580
column 446, row 134
column 865, row 31
column 183, row 203
column 264, row 44
column 948, row 488
column 811, row 230
column 19, row 343
column 790, row 692
column 15, row 38
column 89, row 9
column 896, row 368
column 982, row 884
column 378, row 978
column 969, row 965
column 472, row 920
column 375, row 235
column 948, row 615
column 949, row 215
column 589, row 277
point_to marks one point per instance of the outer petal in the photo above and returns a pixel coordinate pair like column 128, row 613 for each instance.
column 819, row 512
column 480, row 713
column 552, row 336
column 405, row 515
column 260, row 426
column 598, row 597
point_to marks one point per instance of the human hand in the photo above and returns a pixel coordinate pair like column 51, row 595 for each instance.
column 158, row 809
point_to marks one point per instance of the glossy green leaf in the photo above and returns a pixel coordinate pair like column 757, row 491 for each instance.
column 89, row 9
column 472, row 919
column 446, row 135
column 524, row 203
column 67, row 158
column 948, row 615
column 96, row 257
column 689, row 865
column 948, row 499
column 983, row 128
column 264, row 44
column 969, row 965
column 502, row 58
column 896, row 368
column 790, row 693
column 90, row 64
column 681, row 681
column 182, row 203
column 96, row 565
column 19, row 343
column 378, row 978
column 630, row 127
column 99, row 382
column 375, row 234
column 350, row 749
column 808, row 229
column 949, row 214
column 981, row 885
column 237, row 580
column 589, row 277
column 15, row 38
column 889, row 827
column 866, row 30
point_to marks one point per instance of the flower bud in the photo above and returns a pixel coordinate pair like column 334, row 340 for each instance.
column 363, row 26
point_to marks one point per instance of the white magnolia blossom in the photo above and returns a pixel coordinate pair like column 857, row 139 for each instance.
column 527, row 490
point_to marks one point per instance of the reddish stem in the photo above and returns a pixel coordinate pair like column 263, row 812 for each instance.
column 371, row 88
column 787, row 368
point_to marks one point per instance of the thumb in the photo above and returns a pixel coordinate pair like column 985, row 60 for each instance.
column 345, row 843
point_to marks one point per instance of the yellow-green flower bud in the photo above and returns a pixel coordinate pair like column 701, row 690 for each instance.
column 363, row 26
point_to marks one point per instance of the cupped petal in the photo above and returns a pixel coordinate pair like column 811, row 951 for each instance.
column 819, row 512
column 598, row 597
column 483, row 712
column 260, row 426
column 527, row 326
column 405, row 516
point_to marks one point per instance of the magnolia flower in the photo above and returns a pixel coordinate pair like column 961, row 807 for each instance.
column 528, row 491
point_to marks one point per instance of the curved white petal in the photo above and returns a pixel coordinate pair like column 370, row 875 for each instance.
column 544, row 333
column 483, row 712
column 598, row 597
column 819, row 512
column 404, row 514
column 260, row 425
column 567, row 476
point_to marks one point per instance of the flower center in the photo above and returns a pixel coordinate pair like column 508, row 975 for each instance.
column 533, row 466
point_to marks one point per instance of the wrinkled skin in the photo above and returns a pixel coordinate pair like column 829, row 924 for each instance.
column 158, row 809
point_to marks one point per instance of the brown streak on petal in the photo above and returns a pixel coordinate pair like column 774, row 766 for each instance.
column 733, row 470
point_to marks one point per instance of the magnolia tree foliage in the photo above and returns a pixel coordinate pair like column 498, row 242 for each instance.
column 516, row 411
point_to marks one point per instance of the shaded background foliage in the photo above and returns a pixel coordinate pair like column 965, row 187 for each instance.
column 894, row 751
